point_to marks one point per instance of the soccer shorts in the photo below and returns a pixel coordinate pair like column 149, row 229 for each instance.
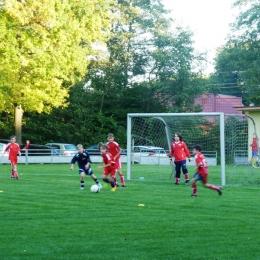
column 13, row 161
column 87, row 172
column 254, row 154
column 110, row 171
column 201, row 177
column 118, row 163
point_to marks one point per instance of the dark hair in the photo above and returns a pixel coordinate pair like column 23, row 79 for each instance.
column 12, row 136
column 103, row 146
column 179, row 135
column 110, row 135
column 99, row 145
column 197, row 147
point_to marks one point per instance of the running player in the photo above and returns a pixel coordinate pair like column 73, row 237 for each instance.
column 115, row 150
column 83, row 160
column 201, row 172
column 180, row 151
column 13, row 148
column 254, row 146
column 109, row 167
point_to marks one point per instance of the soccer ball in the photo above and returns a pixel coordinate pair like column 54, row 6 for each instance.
column 95, row 188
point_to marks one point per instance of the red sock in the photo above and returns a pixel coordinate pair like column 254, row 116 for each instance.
column 122, row 179
column 115, row 180
column 12, row 175
column 186, row 175
column 194, row 189
column 177, row 180
column 213, row 187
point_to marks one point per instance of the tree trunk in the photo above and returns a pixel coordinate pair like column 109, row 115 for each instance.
column 18, row 114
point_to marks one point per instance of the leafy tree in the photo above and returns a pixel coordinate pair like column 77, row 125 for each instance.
column 238, row 61
column 44, row 47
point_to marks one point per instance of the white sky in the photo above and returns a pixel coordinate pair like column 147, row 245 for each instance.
column 208, row 19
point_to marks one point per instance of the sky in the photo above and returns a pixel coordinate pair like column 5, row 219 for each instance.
column 209, row 21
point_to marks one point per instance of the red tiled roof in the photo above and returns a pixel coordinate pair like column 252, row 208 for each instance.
column 219, row 103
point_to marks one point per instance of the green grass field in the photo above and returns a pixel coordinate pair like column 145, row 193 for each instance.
column 45, row 215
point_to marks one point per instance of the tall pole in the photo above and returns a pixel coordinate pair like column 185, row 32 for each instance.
column 18, row 114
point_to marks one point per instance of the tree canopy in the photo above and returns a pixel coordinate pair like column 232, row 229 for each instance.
column 44, row 47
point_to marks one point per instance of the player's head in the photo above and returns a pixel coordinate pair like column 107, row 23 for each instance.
column 110, row 137
column 13, row 139
column 80, row 148
column 27, row 141
column 103, row 148
column 177, row 137
column 254, row 135
column 196, row 149
column 99, row 145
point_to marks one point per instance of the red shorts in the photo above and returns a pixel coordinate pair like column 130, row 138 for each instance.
column 13, row 161
column 118, row 162
column 110, row 171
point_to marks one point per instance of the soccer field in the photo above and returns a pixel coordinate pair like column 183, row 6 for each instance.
column 45, row 215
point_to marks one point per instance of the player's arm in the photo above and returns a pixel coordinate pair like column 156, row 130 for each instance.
column 6, row 149
column 171, row 152
column 19, row 151
column 119, row 152
column 74, row 159
column 104, row 166
column 87, row 165
column 187, row 152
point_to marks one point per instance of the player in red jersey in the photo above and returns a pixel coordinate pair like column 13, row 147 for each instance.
column 115, row 150
column 109, row 167
column 201, row 172
column 254, row 146
column 13, row 148
column 180, row 151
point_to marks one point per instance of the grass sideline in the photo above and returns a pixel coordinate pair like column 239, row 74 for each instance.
column 45, row 215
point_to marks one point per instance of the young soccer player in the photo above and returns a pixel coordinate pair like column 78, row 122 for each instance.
column 13, row 148
column 254, row 146
column 109, row 167
column 115, row 150
column 180, row 151
column 83, row 160
column 201, row 172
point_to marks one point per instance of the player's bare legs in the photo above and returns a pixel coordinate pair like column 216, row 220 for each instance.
column 206, row 185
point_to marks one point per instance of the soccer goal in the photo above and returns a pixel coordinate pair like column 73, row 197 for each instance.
column 225, row 141
column 149, row 137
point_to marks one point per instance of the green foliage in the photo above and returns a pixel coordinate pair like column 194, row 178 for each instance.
column 44, row 49
column 238, row 61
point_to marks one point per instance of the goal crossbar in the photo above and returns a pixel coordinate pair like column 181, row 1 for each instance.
column 159, row 115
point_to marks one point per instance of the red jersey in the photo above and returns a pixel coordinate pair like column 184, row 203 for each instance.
column 113, row 148
column 13, row 149
column 109, row 159
column 180, row 151
column 254, row 145
column 200, row 158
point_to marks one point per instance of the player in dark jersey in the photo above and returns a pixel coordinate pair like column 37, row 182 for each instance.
column 13, row 148
column 83, row 160
column 109, row 167
column 201, row 172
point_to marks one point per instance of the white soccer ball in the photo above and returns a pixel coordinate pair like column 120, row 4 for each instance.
column 95, row 188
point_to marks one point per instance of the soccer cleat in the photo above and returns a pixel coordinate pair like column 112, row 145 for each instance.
column 123, row 186
column 99, row 185
column 176, row 183
column 113, row 189
column 220, row 191
column 82, row 188
column 11, row 177
column 194, row 195
column 187, row 182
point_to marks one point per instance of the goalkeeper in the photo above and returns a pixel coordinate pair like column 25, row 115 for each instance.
column 180, row 151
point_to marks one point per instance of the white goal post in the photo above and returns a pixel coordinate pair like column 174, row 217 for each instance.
column 164, row 117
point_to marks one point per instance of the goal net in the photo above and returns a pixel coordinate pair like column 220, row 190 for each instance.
column 225, row 140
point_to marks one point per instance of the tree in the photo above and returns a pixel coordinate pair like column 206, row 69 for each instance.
column 238, row 61
column 44, row 47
